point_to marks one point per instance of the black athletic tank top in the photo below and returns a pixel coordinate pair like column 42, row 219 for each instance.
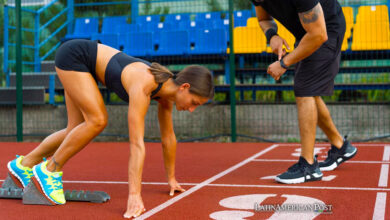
column 114, row 71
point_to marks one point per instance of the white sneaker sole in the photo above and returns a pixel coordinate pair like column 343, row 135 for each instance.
column 15, row 175
column 339, row 160
column 300, row 179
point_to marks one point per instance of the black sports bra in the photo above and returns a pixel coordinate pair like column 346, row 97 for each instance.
column 114, row 71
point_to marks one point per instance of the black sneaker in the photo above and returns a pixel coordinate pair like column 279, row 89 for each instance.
column 301, row 172
column 337, row 156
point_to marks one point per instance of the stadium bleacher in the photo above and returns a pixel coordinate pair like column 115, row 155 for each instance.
column 201, row 34
column 358, row 36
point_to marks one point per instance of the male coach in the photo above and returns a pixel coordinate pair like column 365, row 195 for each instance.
column 319, row 27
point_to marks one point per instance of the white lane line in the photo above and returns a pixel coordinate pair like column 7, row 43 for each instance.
column 384, row 175
column 327, row 144
column 282, row 186
column 203, row 184
column 380, row 206
column 233, row 185
column 386, row 153
column 288, row 160
column 119, row 182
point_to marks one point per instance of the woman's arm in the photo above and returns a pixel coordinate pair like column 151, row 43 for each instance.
column 168, row 140
column 138, row 106
column 139, row 86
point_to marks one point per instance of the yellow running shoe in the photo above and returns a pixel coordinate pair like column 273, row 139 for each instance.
column 50, row 183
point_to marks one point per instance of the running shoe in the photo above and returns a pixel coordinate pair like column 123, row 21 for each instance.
column 19, row 173
column 301, row 172
column 337, row 156
column 49, row 183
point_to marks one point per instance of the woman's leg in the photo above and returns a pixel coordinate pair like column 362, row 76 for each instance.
column 83, row 91
column 51, row 143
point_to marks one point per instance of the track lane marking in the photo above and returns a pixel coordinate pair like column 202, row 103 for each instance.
column 234, row 185
column 386, row 153
column 203, row 184
column 380, row 206
column 328, row 145
column 288, row 160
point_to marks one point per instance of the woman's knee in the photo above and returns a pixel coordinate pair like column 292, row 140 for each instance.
column 98, row 121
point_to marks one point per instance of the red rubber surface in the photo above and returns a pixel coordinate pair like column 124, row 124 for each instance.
column 352, row 189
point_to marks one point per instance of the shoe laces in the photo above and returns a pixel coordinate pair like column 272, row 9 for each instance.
column 296, row 167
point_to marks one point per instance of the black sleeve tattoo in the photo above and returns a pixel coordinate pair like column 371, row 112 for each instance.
column 310, row 15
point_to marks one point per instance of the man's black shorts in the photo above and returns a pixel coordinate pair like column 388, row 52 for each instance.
column 314, row 75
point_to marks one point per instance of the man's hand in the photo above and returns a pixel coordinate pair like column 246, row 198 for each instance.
column 174, row 187
column 135, row 206
column 276, row 44
column 276, row 70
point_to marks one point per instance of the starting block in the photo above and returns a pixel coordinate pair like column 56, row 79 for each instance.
column 31, row 195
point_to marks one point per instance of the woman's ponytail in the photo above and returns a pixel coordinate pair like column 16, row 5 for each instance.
column 161, row 73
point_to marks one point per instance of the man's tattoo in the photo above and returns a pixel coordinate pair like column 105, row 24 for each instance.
column 310, row 15
column 55, row 165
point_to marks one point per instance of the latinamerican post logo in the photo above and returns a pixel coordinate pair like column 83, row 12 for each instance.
column 313, row 207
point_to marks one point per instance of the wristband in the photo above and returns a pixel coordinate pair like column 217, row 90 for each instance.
column 282, row 64
column 269, row 34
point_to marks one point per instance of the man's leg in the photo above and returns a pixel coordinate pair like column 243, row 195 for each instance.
column 341, row 150
column 326, row 124
column 307, row 168
column 307, row 119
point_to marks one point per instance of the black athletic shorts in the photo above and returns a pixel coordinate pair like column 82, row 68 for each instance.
column 314, row 75
column 77, row 55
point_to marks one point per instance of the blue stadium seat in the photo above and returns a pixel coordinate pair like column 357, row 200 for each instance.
column 124, row 29
column 110, row 39
column 174, row 18
column 192, row 27
column 224, row 24
column 173, row 43
column 158, row 28
column 147, row 19
column 127, row 28
column 110, row 23
column 139, row 44
column 208, row 16
column 211, row 41
column 240, row 17
column 84, row 29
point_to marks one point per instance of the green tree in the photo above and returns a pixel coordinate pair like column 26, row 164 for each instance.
column 1, row 41
column 242, row 5
column 147, row 9
column 214, row 5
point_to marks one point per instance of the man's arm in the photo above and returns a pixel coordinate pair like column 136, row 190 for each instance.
column 270, row 29
column 265, row 20
column 313, row 22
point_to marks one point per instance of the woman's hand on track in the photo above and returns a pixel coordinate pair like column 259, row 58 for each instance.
column 174, row 187
column 135, row 206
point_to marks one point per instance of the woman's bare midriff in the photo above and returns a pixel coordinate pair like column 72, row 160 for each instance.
column 104, row 54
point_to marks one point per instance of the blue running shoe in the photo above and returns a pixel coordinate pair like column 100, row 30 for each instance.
column 20, row 173
column 49, row 183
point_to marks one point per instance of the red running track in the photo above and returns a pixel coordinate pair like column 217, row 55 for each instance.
column 223, row 181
